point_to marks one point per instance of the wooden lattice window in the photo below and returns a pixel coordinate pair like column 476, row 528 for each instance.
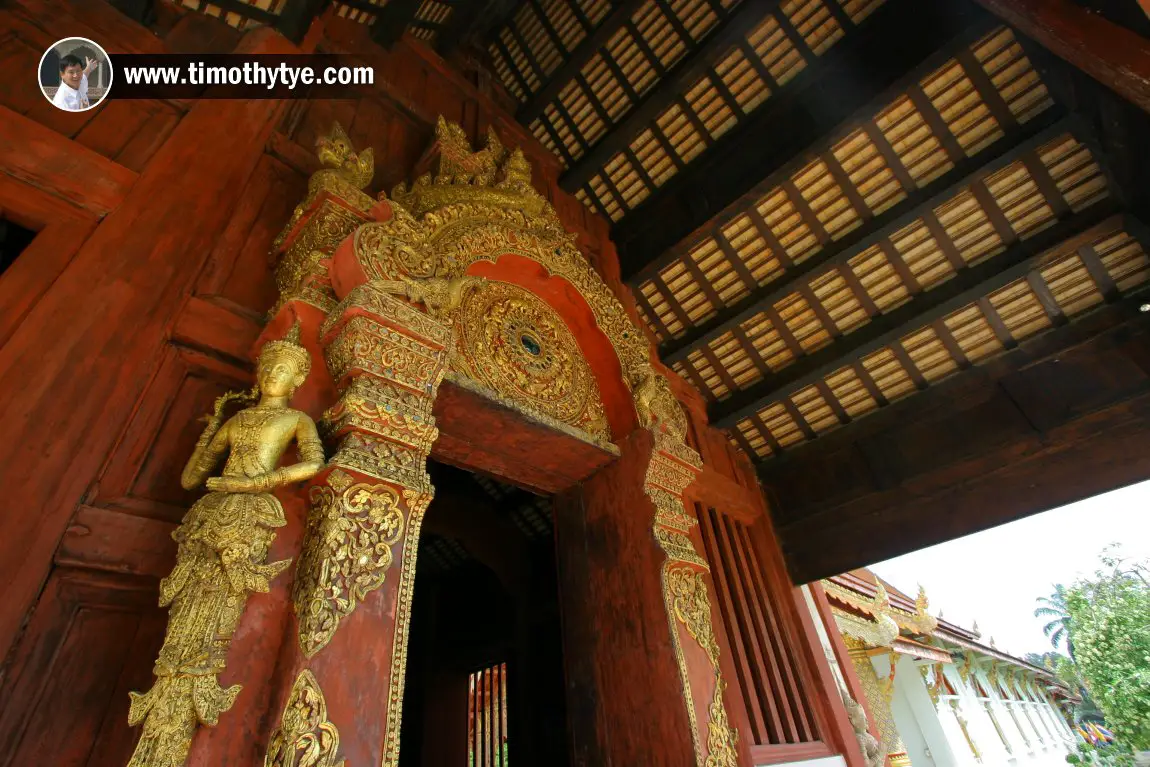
column 487, row 717
column 760, row 620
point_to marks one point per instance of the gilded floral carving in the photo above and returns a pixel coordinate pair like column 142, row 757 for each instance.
column 692, row 606
column 347, row 552
column 305, row 737
column 722, row 739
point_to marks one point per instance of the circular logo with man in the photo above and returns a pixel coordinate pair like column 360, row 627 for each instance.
column 75, row 74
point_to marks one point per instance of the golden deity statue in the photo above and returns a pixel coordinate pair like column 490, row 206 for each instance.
column 223, row 549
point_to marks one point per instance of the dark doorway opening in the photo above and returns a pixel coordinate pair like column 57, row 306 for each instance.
column 486, row 597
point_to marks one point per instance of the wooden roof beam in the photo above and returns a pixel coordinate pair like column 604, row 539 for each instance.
column 620, row 14
column 296, row 17
column 944, row 392
column 462, row 19
column 965, row 288
column 1021, row 142
column 1117, row 57
column 392, row 20
column 859, row 75
column 727, row 33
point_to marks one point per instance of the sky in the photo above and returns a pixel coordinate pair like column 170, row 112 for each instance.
column 995, row 576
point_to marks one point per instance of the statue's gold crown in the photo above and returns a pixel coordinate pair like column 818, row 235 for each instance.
column 492, row 175
column 290, row 347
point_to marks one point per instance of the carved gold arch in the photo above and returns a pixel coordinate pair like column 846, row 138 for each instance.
column 391, row 279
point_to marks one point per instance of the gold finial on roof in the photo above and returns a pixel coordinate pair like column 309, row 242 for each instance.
column 460, row 174
column 881, row 598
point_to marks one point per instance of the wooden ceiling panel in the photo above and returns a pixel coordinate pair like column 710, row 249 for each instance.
column 831, row 196
column 973, row 333
column 712, row 98
column 1124, row 260
column 926, row 264
column 879, row 279
column 867, row 172
column 851, row 392
column 1053, row 289
column 814, row 21
column 771, row 46
column 929, row 355
column 945, row 216
column 914, row 143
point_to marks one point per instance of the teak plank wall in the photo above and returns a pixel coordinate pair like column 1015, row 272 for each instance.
column 137, row 304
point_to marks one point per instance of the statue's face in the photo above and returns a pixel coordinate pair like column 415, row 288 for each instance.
column 279, row 376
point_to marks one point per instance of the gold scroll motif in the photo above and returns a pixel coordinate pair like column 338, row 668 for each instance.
column 351, row 530
column 388, row 358
column 512, row 342
column 672, row 468
column 479, row 206
column 692, row 606
column 305, row 737
column 722, row 739
column 417, row 503
column 222, row 554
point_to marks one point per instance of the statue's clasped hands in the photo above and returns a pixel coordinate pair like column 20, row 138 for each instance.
column 234, row 485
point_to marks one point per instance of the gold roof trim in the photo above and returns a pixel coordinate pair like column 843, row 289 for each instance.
column 918, row 622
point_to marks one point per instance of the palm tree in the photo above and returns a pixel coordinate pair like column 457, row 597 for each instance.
column 1054, row 607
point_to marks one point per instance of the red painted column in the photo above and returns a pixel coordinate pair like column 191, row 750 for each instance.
column 625, row 697
column 347, row 637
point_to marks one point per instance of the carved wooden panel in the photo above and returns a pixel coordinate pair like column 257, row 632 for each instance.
column 239, row 274
column 143, row 472
column 127, row 132
column 90, row 640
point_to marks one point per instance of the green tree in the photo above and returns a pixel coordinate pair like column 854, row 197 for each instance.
column 1110, row 613
column 1054, row 607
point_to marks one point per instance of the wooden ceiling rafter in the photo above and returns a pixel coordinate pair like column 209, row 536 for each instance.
column 974, row 284
column 813, row 103
column 731, row 28
column 458, row 25
column 878, row 230
column 728, row 33
column 362, row 5
column 925, row 405
column 575, row 60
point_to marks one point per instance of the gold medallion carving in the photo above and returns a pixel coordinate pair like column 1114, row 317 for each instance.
column 223, row 549
column 305, row 738
column 351, row 529
column 512, row 342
